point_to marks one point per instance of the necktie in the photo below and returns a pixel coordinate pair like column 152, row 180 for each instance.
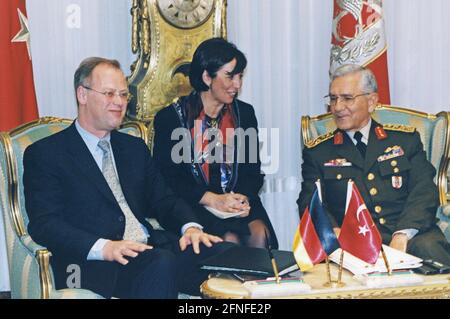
column 360, row 144
column 133, row 229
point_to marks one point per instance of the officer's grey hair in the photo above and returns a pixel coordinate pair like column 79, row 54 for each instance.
column 369, row 82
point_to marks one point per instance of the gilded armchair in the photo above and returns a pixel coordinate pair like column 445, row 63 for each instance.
column 435, row 135
column 29, row 263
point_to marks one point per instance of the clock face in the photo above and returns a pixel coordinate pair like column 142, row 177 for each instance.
column 185, row 14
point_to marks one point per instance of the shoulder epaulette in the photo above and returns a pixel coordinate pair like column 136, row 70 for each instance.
column 399, row 128
column 320, row 139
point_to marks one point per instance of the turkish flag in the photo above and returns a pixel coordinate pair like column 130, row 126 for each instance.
column 17, row 96
column 359, row 235
column 359, row 38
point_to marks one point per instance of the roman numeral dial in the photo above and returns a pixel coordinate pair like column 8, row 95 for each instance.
column 185, row 14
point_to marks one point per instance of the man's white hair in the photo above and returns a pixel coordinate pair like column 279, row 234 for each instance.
column 368, row 80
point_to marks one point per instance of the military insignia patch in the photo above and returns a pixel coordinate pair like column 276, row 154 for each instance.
column 391, row 152
column 380, row 133
column 397, row 182
column 338, row 139
column 338, row 162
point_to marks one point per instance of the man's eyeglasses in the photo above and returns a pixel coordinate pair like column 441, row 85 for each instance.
column 109, row 94
column 346, row 99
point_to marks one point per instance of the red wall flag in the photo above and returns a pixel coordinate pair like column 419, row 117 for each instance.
column 359, row 235
column 17, row 96
column 359, row 38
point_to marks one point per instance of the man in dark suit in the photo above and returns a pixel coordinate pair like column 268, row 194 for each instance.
column 88, row 190
column 387, row 163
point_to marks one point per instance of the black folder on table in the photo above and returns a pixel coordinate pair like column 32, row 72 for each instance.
column 250, row 261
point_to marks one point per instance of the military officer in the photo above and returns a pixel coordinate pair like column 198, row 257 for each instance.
column 387, row 163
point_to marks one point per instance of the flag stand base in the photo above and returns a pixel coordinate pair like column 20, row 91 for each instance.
column 335, row 283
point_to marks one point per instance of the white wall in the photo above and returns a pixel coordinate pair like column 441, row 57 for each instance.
column 64, row 32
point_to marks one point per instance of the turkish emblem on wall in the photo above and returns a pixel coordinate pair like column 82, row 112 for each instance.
column 359, row 38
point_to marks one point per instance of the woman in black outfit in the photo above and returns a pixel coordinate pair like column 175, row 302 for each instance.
column 206, row 145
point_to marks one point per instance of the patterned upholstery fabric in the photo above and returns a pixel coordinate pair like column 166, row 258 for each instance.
column 433, row 132
column 444, row 220
column 25, row 270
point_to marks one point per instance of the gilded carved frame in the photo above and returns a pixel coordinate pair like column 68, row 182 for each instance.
column 163, row 54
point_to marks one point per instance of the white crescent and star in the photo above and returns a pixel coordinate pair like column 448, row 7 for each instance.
column 362, row 229
column 360, row 209
column 24, row 33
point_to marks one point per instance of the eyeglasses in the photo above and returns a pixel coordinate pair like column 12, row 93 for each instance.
column 124, row 96
column 346, row 99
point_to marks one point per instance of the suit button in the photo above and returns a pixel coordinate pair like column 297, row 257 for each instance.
column 121, row 219
column 371, row 177
column 394, row 163
column 339, row 176
column 378, row 209
column 373, row 191
column 382, row 221
column 396, row 170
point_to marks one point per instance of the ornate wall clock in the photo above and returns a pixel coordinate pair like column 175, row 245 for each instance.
column 165, row 34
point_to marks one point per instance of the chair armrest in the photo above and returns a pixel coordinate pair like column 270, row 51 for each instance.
column 42, row 258
column 443, row 214
column 42, row 255
column 29, row 269
column 31, row 245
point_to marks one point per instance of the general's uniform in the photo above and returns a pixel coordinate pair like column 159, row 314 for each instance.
column 395, row 180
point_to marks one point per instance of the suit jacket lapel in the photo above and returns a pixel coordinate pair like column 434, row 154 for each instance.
column 86, row 163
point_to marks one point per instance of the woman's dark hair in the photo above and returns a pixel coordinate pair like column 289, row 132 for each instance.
column 210, row 56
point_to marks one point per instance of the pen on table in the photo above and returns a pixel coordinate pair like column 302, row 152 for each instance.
column 433, row 262
column 272, row 259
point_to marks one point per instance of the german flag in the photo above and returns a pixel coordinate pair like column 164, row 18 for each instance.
column 315, row 238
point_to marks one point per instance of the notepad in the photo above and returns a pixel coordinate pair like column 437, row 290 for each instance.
column 223, row 215
column 250, row 261
column 397, row 260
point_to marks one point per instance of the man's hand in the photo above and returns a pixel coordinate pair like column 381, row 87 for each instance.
column 399, row 241
column 193, row 236
column 229, row 202
column 116, row 250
